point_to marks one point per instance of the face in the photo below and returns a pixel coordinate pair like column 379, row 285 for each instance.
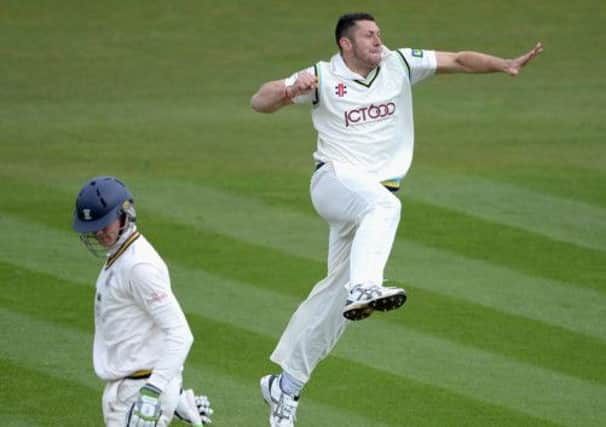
column 108, row 236
column 366, row 44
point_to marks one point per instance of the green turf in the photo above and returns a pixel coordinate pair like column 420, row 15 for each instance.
column 502, row 245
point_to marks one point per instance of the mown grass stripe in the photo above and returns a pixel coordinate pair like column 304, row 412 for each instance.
column 558, row 218
column 512, row 336
column 236, row 259
column 16, row 421
column 502, row 245
column 519, row 339
column 500, row 288
column 51, row 400
column 577, row 309
column 430, row 360
column 425, row 223
column 226, row 256
column 233, row 400
column 486, row 377
column 248, row 357
column 421, row 404
column 523, row 339
column 248, row 353
column 343, row 378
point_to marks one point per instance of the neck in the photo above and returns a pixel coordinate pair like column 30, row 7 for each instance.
column 356, row 66
column 128, row 230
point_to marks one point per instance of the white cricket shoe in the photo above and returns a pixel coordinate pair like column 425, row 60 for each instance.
column 363, row 300
column 282, row 406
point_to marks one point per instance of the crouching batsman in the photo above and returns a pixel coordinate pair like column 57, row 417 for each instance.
column 142, row 337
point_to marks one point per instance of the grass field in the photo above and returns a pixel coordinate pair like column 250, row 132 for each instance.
column 502, row 247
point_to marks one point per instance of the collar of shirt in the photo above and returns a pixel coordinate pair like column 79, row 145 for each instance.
column 338, row 66
column 123, row 237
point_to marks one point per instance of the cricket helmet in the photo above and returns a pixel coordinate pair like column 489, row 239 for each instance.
column 100, row 202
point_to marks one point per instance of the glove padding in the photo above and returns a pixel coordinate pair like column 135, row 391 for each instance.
column 194, row 410
column 146, row 411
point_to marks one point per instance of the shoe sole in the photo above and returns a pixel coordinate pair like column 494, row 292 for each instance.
column 358, row 312
column 265, row 383
column 389, row 303
column 361, row 311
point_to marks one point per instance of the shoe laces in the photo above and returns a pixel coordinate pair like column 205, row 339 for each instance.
column 361, row 292
column 286, row 408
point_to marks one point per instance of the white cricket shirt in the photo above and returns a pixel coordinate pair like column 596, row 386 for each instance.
column 139, row 325
column 367, row 122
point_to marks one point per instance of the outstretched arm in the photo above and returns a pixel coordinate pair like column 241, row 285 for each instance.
column 476, row 62
column 276, row 94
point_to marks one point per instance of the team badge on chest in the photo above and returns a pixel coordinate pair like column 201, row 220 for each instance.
column 340, row 90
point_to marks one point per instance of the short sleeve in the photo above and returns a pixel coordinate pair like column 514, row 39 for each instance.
column 308, row 97
column 421, row 63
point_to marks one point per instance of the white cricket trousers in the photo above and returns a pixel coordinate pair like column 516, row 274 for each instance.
column 119, row 396
column 363, row 217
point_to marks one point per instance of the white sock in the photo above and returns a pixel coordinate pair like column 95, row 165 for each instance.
column 290, row 385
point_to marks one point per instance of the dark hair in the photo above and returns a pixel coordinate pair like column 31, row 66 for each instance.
column 347, row 21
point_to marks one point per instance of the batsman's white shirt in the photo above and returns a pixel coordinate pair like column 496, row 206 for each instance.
column 367, row 123
column 139, row 325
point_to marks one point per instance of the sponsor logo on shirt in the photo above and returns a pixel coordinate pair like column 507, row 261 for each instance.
column 157, row 297
column 371, row 113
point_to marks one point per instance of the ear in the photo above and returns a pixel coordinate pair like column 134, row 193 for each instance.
column 345, row 44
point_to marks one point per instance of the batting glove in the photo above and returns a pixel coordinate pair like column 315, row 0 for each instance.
column 146, row 411
column 194, row 410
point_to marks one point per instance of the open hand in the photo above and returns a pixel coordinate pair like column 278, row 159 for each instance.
column 515, row 65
